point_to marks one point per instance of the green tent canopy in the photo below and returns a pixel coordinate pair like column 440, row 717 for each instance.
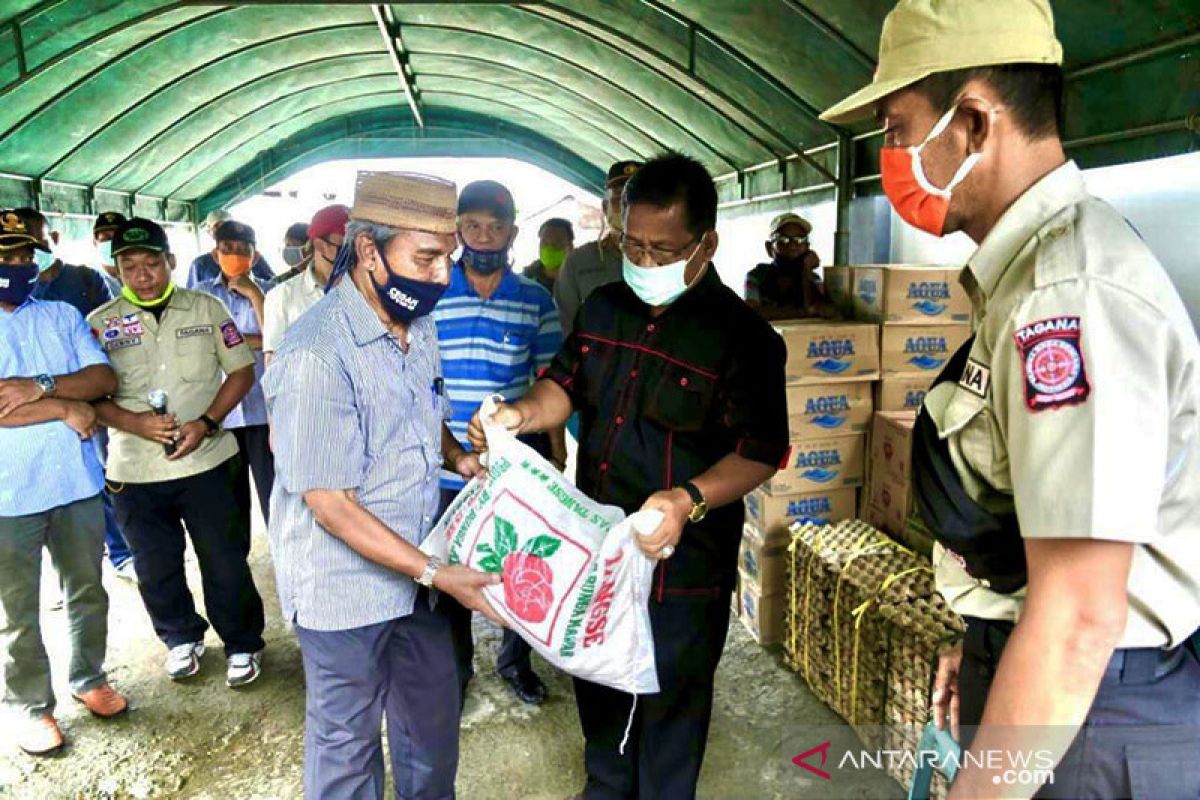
column 171, row 109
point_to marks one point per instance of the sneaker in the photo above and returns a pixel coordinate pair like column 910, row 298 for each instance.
column 244, row 668
column 39, row 737
column 103, row 701
column 125, row 571
column 183, row 660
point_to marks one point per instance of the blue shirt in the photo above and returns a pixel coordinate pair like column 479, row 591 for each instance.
column 205, row 268
column 253, row 408
column 493, row 346
column 82, row 287
column 351, row 410
column 46, row 465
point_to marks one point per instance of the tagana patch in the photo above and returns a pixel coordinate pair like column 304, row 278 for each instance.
column 1052, row 363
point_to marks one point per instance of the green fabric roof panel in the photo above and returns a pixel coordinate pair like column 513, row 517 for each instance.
column 190, row 101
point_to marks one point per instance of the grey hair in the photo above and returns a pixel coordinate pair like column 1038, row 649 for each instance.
column 381, row 235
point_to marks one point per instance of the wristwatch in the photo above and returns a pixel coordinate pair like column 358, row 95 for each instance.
column 699, row 504
column 46, row 383
column 211, row 424
column 431, row 567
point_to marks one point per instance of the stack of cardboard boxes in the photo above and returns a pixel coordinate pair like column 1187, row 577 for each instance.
column 925, row 316
column 830, row 368
column 887, row 501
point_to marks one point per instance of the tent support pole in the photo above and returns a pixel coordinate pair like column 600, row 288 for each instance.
column 842, row 197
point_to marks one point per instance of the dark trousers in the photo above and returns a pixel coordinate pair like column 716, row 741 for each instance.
column 255, row 443
column 152, row 516
column 514, row 656
column 403, row 669
column 1141, row 737
column 114, row 541
column 670, row 729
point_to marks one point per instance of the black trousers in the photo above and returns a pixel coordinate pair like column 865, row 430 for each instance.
column 152, row 516
column 670, row 729
column 255, row 443
column 1141, row 737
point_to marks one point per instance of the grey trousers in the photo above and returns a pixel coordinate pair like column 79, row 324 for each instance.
column 74, row 535
column 404, row 669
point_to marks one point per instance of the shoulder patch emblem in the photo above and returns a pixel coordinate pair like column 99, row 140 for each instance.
column 231, row 334
column 1055, row 374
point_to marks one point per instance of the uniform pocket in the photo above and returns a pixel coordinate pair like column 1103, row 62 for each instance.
column 196, row 357
column 970, row 420
column 680, row 401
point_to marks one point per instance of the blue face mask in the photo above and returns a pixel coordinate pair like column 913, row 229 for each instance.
column 43, row 260
column 485, row 262
column 658, row 286
column 405, row 299
column 17, row 282
column 106, row 256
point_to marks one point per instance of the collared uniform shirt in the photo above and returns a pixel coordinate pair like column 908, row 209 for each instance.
column 494, row 346
column 253, row 408
column 1080, row 406
column 187, row 353
column 285, row 303
column 46, row 465
column 82, row 287
column 586, row 269
column 537, row 272
column 351, row 410
column 662, row 399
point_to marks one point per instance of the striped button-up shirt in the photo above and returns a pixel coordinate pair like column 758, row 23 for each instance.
column 253, row 408
column 351, row 410
column 492, row 346
column 46, row 465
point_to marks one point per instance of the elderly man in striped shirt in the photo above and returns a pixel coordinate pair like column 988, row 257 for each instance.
column 497, row 331
column 358, row 423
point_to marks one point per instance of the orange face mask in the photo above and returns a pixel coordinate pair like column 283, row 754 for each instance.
column 233, row 265
column 916, row 200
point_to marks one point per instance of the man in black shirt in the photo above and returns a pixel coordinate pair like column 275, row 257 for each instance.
column 787, row 287
column 680, row 387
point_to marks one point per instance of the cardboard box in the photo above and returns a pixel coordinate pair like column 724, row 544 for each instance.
column 824, row 352
column 762, row 563
column 902, row 392
column 919, row 349
column 816, row 464
column 773, row 515
column 823, row 409
column 891, row 445
column 903, row 294
column 889, row 501
column 763, row 616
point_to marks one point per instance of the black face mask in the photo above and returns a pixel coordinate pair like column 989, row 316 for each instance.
column 17, row 282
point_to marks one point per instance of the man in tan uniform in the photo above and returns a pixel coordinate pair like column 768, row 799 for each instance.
column 183, row 366
column 1057, row 459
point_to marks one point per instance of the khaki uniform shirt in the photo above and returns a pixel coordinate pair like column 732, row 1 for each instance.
column 187, row 354
column 586, row 269
column 1080, row 406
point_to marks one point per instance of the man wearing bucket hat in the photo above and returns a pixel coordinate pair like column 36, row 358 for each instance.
column 1078, row 576
column 358, row 416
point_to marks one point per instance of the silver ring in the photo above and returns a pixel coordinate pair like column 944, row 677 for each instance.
column 668, row 551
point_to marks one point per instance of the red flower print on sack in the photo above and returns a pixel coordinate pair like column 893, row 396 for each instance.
column 528, row 579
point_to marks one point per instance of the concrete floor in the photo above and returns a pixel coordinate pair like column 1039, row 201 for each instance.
column 202, row 740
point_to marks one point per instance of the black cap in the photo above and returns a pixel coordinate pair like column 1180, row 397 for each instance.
column 621, row 172
column 14, row 233
column 298, row 231
column 140, row 234
column 233, row 231
column 488, row 196
column 108, row 221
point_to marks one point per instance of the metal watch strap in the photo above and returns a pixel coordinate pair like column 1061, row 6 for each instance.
column 431, row 567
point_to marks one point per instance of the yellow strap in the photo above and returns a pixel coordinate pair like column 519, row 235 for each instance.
column 859, row 550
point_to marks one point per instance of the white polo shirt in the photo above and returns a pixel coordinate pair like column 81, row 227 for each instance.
column 285, row 303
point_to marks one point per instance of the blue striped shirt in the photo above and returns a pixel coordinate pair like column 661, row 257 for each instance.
column 351, row 410
column 493, row 346
column 253, row 408
column 46, row 465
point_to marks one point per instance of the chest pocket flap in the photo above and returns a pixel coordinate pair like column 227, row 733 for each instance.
column 681, row 400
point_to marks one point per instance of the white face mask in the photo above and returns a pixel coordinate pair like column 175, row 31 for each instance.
column 658, row 286
column 106, row 256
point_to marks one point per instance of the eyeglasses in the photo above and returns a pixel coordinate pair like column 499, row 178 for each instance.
column 659, row 255
column 786, row 240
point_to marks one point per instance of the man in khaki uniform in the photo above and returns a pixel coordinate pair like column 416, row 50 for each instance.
column 183, row 365
column 1057, row 459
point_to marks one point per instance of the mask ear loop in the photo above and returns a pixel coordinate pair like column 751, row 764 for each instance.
column 960, row 174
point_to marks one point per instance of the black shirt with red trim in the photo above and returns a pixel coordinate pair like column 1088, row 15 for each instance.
column 662, row 399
